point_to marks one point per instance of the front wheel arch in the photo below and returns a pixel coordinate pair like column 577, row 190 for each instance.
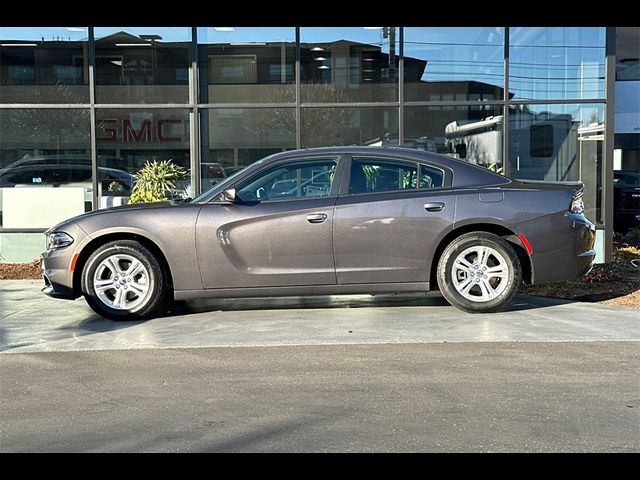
column 123, row 280
column 96, row 243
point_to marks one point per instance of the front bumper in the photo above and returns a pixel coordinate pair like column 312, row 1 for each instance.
column 57, row 290
column 562, row 246
column 57, row 265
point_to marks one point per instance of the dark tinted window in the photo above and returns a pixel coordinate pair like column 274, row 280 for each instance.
column 79, row 174
column 626, row 179
column 18, row 178
column 431, row 177
column 380, row 175
column 40, row 174
column 541, row 140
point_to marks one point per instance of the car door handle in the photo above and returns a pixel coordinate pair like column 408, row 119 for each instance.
column 434, row 206
column 316, row 217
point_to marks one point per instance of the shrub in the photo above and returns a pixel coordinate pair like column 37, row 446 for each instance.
column 155, row 181
column 626, row 254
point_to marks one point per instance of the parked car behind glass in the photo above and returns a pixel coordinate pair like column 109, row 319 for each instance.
column 626, row 200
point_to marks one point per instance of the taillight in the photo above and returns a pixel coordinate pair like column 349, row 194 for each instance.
column 577, row 203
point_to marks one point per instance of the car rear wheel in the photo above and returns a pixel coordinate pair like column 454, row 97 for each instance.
column 479, row 272
column 122, row 280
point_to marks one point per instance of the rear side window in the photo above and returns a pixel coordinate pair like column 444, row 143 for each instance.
column 369, row 175
column 372, row 175
column 40, row 175
column 80, row 174
column 431, row 177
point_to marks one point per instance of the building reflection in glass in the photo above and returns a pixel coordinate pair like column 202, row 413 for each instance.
column 142, row 65
column 44, row 65
column 349, row 94
column 247, row 64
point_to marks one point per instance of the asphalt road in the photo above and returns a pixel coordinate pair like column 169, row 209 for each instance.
column 460, row 397
column 326, row 374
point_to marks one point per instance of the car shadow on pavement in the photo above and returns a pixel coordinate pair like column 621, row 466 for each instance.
column 97, row 324
column 185, row 307
column 432, row 299
column 529, row 302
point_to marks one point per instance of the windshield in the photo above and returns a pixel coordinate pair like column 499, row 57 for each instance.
column 626, row 179
column 227, row 181
column 221, row 183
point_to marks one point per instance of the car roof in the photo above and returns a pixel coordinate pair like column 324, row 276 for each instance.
column 23, row 168
column 63, row 165
column 465, row 174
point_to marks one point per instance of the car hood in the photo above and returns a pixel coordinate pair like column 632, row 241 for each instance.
column 106, row 211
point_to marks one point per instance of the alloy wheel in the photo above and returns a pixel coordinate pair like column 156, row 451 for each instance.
column 480, row 273
column 122, row 282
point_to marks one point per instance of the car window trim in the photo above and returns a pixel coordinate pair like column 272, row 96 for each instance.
column 339, row 158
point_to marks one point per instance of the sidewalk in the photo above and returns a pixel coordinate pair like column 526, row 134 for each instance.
column 32, row 322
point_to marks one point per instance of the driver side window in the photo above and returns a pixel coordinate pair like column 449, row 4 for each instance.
column 301, row 179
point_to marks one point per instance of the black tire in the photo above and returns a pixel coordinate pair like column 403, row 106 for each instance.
column 505, row 293
column 152, row 301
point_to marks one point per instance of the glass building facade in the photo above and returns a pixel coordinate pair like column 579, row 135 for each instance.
column 82, row 109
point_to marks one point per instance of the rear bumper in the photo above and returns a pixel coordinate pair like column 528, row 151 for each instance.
column 562, row 246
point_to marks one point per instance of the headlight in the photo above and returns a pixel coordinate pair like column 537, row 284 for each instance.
column 58, row 240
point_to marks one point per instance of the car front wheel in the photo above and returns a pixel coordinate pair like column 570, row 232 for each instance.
column 479, row 272
column 122, row 280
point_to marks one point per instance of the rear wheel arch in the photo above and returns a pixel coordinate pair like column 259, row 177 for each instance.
column 104, row 239
column 479, row 272
column 499, row 230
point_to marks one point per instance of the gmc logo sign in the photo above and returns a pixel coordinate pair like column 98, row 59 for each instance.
column 124, row 130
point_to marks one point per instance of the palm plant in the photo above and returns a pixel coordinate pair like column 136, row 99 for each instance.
column 155, row 181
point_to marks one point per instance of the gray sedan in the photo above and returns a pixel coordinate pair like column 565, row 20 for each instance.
column 340, row 220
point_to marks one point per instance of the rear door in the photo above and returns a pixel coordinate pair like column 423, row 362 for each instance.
column 389, row 218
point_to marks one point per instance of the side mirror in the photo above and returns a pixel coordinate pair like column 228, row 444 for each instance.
column 229, row 195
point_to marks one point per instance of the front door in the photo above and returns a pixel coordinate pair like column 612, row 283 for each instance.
column 284, row 240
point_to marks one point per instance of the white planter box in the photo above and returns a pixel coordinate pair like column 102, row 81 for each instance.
column 113, row 201
column 40, row 207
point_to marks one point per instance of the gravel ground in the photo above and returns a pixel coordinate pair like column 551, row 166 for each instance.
column 612, row 283
column 20, row 271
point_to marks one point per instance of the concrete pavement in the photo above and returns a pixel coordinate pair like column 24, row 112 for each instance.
column 32, row 322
